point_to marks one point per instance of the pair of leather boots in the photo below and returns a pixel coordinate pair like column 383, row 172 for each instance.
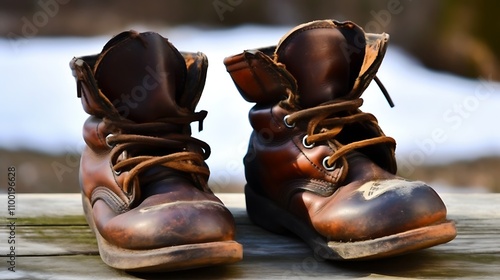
column 316, row 166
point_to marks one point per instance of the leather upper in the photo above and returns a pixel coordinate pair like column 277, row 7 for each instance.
column 141, row 170
column 312, row 151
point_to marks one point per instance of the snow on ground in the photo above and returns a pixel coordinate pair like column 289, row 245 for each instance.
column 438, row 117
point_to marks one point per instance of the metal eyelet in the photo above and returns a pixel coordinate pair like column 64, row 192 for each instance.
column 107, row 141
column 117, row 173
column 304, row 143
column 326, row 166
column 286, row 122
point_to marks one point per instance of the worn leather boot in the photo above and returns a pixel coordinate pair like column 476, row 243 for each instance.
column 316, row 165
column 143, row 177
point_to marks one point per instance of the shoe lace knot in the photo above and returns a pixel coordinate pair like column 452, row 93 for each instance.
column 166, row 142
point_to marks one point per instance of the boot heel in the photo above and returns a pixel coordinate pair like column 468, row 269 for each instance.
column 262, row 212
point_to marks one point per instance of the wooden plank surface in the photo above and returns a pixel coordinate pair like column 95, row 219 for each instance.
column 53, row 241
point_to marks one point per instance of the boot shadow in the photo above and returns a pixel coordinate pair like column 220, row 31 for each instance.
column 213, row 272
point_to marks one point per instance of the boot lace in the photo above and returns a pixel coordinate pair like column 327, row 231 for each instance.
column 156, row 135
column 325, row 124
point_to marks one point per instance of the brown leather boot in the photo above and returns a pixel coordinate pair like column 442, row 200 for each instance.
column 318, row 166
column 143, row 177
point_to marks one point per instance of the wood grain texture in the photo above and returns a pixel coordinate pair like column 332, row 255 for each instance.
column 53, row 241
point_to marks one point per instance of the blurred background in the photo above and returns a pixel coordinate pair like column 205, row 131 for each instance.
column 442, row 70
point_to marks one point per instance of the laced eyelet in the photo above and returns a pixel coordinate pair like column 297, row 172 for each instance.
column 117, row 173
column 326, row 166
column 304, row 143
column 286, row 122
column 107, row 141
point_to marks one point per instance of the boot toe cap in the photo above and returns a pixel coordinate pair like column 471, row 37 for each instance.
column 380, row 208
column 169, row 224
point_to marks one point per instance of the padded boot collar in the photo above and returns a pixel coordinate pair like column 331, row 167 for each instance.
column 260, row 78
column 154, row 81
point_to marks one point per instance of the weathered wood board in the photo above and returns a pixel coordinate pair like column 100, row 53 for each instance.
column 53, row 241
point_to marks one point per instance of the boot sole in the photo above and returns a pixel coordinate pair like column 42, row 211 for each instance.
column 171, row 258
column 265, row 214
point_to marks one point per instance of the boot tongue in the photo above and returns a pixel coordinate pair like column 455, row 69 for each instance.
column 324, row 60
column 143, row 75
